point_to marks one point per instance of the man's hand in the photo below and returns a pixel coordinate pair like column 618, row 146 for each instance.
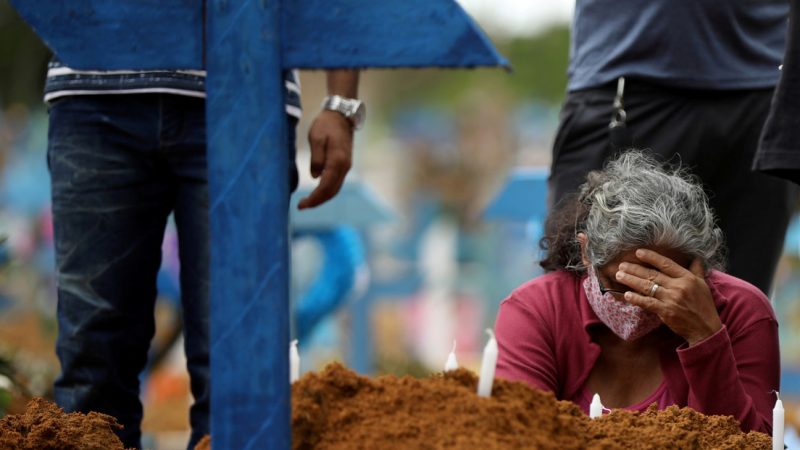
column 331, row 141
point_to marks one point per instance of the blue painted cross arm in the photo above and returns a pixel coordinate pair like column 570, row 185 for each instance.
column 169, row 34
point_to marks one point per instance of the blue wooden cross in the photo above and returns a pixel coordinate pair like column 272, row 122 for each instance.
column 245, row 45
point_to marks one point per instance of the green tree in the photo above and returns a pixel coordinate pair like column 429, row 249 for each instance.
column 539, row 72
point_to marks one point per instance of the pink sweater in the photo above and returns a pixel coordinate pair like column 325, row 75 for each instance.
column 542, row 333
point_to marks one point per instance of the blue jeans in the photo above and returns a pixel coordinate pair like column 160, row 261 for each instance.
column 120, row 164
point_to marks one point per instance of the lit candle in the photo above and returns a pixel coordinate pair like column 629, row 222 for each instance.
column 596, row 407
column 452, row 363
column 488, row 365
column 777, row 424
column 294, row 362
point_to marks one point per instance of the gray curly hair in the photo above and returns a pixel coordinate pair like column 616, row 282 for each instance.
column 634, row 202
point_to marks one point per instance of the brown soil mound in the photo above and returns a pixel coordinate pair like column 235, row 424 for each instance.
column 339, row 410
column 45, row 426
column 672, row 428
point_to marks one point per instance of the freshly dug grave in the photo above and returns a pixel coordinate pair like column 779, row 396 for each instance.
column 339, row 410
column 45, row 426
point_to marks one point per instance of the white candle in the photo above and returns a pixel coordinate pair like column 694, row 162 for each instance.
column 596, row 407
column 777, row 424
column 488, row 365
column 452, row 363
column 294, row 362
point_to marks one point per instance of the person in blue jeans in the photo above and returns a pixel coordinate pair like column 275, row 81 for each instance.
column 126, row 149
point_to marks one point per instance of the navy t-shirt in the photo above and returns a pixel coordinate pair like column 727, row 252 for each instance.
column 703, row 44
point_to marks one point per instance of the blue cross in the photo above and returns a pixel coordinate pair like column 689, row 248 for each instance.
column 245, row 45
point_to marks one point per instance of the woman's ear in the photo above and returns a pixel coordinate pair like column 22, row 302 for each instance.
column 582, row 240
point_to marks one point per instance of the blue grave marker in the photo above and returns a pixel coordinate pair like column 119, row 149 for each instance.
column 356, row 204
column 523, row 196
column 245, row 45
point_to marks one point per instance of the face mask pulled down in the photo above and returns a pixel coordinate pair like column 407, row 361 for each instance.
column 629, row 322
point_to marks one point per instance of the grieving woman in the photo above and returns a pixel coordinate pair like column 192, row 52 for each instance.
column 634, row 305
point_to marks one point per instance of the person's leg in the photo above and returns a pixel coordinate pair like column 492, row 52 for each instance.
column 582, row 140
column 754, row 209
column 109, row 211
column 183, row 143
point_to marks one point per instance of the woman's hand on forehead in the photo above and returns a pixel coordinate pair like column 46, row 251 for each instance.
column 679, row 296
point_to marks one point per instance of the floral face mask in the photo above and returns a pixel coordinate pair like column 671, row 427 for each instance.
column 629, row 322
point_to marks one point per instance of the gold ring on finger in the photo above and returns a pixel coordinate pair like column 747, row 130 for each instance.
column 653, row 289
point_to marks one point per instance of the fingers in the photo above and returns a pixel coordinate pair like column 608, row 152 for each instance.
column 636, row 283
column 661, row 263
column 647, row 303
column 317, row 143
column 331, row 141
column 329, row 185
column 666, row 271
column 646, row 273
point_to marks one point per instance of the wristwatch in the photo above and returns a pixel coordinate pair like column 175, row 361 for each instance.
column 352, row 109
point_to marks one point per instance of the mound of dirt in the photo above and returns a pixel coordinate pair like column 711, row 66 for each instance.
column 338, row 410
column 672, row 428
column 45, row 426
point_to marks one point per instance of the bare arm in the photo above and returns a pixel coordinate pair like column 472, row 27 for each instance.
column 331, row 140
